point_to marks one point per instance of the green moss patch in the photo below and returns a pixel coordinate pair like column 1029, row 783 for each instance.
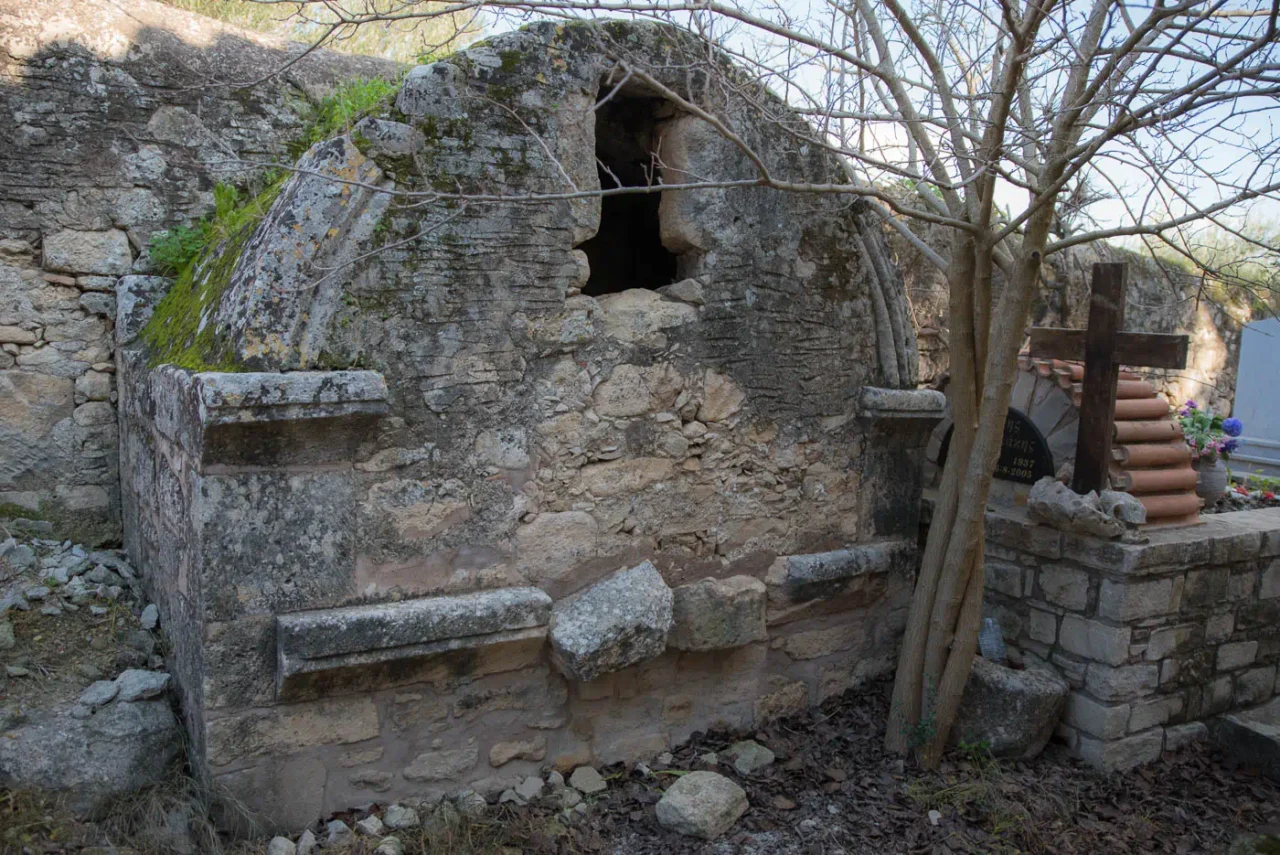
column 181, row 330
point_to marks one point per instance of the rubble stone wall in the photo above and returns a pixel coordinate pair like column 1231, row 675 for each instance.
column 1155, row 637
column 117, row 122
column 456, row 516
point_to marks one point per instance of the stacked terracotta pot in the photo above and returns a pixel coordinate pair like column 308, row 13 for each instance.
column 1148, row 455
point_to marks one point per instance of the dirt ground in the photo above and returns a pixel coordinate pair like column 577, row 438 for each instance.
column 831, row 790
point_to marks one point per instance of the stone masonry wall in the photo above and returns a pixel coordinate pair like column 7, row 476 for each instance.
column 1154, row 638
column 456, row 515
column 111, row 127
column 250, row 495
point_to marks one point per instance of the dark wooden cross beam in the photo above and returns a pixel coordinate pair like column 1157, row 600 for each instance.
column 1104, row 347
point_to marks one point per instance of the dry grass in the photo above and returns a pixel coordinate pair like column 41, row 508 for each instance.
column 407, row 41
column 57, row 649
column 180, row 816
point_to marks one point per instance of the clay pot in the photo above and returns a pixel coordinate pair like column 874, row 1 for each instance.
column 1212, row 481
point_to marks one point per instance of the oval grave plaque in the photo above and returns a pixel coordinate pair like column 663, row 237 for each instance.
column 1024, row 452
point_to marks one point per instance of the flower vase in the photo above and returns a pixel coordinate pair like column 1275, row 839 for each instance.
column 1211, row 482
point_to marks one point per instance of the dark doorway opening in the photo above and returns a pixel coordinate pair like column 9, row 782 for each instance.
column 627, row 251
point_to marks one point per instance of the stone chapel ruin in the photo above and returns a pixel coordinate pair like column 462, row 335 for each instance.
column 535, row 483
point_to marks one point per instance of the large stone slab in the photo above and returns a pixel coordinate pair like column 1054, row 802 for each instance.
column 1012, row 712
column 617, row 622
column 1251, row 738
column 715, row 614
column 819, row 575
column 330, row 639
column 877, row 403
column 120, row 748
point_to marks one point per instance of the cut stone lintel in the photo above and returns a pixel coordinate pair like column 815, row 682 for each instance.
column 332, row 639
column 877, row 403
column 820, row 575
column 234, row 398
column 255, row 419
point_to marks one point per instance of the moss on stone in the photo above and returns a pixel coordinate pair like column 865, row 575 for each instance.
column 511, row 60
column 181, row 331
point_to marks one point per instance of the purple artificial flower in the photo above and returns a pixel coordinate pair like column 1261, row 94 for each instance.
column 1230, row 446
column 1232, row 427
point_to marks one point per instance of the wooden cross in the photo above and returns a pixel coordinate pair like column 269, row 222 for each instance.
column 1104, row 347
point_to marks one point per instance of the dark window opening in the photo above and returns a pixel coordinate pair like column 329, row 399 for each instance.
column 627, row 251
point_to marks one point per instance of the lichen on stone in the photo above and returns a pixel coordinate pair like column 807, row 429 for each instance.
column 181, row 331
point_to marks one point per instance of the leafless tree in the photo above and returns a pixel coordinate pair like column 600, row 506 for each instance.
column 1005, row 123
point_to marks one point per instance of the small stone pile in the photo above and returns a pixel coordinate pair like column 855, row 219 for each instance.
column 57, row 576
column 90, row 742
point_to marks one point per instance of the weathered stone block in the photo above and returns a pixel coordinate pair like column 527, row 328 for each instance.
column 618, row 622
column 1065, row 586
column 714, row 614
column 1095, row 640
column 877, row 403
column 797, row 578
column 1120, row 754
column 1013, row 712
column 286, row 729
column 1219, row 627
column 1241, row 584
column 356, row 635
column 503, row 753
column 1104, row 721
column 1165, row 642
column 1205, row 587
column 120, row 749
column 106, row 252
column 701, row 804
column 1236, row 546
column 1003, row 577
column 442, row 764
column 1148, row 714
column 1118, row 684
column 1236, row 655
column 1135, row 599
column 1254, row 686
column 244, row 519
column 1251, row 739
column 1018, row 533
column 816, row 643
column 1042, row 626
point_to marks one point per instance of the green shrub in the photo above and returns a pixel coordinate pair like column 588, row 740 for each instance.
column 338, row 112
column 172, row 250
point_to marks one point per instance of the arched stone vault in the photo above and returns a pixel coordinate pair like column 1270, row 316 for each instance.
column 433, row 459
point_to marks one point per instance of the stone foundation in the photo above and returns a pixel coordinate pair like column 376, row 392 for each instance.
column 1154, row 638
column 303, row 694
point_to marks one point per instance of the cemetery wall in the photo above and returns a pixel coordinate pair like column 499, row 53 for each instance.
column 114, row 125
column 1154, row 638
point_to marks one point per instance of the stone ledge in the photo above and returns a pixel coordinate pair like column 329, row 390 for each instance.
column 330, row 639
column 1221, row 538
column 232, row 398
column 819, row 575
column 877, row 403
column 255, row 419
